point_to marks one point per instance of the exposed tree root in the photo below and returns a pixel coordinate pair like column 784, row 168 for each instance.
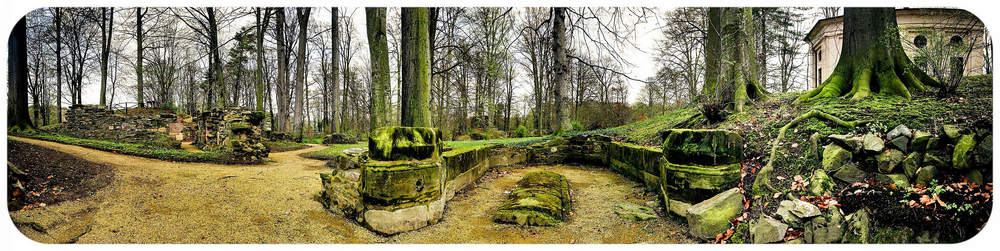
column 763, row 179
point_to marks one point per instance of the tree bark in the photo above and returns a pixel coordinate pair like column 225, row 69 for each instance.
column 261, row 27
column 415, row 65
column 18, row 118
column 379, row 49
column 872, row 60
column 282, row 86
column 138, row 57
column 107, row 23
column 213, row 37
column 559, row 68
column 713, row 51
column 59, row 70
column 303, row 18
column 335, row 69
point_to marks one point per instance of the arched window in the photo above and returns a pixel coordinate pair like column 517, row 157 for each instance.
column 955, row 40
column 920, row 41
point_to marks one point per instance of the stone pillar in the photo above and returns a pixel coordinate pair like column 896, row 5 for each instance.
column 403, row 183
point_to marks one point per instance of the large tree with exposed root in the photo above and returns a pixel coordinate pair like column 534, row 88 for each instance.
column 872, row 60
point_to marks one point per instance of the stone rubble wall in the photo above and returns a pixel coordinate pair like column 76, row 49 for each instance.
column 234, row 129
column 98, row 122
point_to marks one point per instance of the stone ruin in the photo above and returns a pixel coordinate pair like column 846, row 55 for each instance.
column 404, row 181
column 234, row 129
column 98, row 122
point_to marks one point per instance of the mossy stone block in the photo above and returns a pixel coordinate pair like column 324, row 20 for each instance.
column 849, row 142
column 919, row 141
column 850, row 174
column 888, row 160
column 925, row 175
column 983, row 153
column 950, row 132
column 820, row 183
column 459, row 161
column 911, row 164
column 963, row 152
column 704, row 147
column 835, row 156
column 899, row 179
column 399, row 184
column 693, row 183
column 541, row 198
column 712, row 216
column 404, row 143
column 634, row 212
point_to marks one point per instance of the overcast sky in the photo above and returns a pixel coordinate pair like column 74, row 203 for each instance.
column 642, row 58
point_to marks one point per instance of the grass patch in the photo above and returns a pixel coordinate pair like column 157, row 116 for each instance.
column 142, row 150
column 332, row 152
column 283, row 146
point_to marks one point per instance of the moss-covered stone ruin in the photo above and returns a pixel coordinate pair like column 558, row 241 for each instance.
column 234, row 129
column 98, row 122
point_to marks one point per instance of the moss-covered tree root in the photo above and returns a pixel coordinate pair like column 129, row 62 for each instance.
column 872, row 60
column 763, row 179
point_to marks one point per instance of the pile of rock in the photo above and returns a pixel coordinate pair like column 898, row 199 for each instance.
column 906, row 156
column 98, row 122
column 903, row 158
column 234, row 129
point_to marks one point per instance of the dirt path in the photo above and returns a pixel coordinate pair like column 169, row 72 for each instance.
column 187, row 146
column 153, row 201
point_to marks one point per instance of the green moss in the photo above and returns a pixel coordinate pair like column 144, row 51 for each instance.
column 398, row 184
column 706, row 147
column 404, row 143
column 694, row 183
column 541, row 198
column 332, row 152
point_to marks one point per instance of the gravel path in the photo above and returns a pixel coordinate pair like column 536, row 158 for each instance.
column 153, row 201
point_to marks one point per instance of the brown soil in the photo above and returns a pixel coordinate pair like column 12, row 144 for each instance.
column 152, row 201
column 53, row 176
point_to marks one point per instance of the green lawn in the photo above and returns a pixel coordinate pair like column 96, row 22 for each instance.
column 140, row 150
column 511, row 141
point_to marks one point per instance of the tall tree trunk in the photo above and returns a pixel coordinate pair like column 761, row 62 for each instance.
column 872, row 60
column 303, row 18
column 559, row 69
column 213, row 37
column 261, row 27
column 335, row 35
column 415, row 68
column 282, row 86
column 107, row 24
column 379, row 49
column 18, row 118
column 138, row 57
column 713, row 52
column 59, row 69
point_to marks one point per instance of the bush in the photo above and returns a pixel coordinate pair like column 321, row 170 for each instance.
column 576, row 126
column 521, row 132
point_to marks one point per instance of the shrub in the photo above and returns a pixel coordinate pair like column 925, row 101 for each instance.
column 576, row 126
column 521, row 132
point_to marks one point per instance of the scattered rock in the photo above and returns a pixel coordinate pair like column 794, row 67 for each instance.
column 858, row 227
column 975, row 177
column 827, row 228
column 872, row 143
column 900, row 143
column 887, row 162
column 804, row 209
column 911, row 164
column 834, row 157
column 785, row 212
column 983, row 152
column 963, row 152
column 900, row 131
column 950, row 132
column 796, row 241
column 919, row 141
column 933, row 159
column 850, row 142
column 634, row 212
column 850, row 174
column 354, row 152
column 899, row 179
column 767, row 230
column 925, row 175
column 712, row 216
column 820, row 183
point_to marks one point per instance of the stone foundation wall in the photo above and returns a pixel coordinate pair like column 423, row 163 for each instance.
column 233, row 129
column 98, row 122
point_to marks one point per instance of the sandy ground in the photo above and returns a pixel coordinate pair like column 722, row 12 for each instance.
column 152, row 201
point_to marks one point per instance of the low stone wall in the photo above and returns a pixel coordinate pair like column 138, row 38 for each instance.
column 98, row 122
column 637, row 162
